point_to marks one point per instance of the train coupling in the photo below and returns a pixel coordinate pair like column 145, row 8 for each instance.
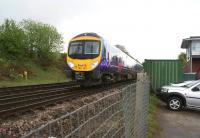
column 79, row 76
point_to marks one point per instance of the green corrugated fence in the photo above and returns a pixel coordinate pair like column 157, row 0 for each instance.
column 163, row 72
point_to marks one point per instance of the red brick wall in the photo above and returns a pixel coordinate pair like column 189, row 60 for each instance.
column 195, row 67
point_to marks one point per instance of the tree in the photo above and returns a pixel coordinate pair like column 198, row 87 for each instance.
column 29, row 40
column 43, row 41
column 12, row 41
column 182, row 58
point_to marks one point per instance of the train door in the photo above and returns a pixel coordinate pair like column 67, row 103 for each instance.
column 107, row 52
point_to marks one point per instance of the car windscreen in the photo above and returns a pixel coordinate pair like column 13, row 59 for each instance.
column 84, row 49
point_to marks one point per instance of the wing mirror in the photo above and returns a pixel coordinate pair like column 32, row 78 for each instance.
column 195, row 89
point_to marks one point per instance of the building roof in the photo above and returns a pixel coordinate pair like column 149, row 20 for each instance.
column 186, row 41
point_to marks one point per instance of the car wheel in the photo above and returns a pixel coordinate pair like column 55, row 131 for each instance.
column 175, row 103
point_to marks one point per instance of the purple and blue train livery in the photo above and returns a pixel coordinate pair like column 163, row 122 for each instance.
column 90, row 59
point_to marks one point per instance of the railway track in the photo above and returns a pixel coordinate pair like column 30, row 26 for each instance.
column 23, row 98
column 6, row 90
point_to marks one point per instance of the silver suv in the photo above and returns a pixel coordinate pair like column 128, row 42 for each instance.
column 177, row 97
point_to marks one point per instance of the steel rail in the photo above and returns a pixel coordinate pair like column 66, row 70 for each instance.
column 33, row 99
column 31, row 94
column 5, row 90
column 13, row 105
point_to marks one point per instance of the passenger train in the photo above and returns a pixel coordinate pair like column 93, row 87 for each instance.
column 91, row 60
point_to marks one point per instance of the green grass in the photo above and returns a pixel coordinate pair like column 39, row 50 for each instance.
column 37, row 76
column 152, row 123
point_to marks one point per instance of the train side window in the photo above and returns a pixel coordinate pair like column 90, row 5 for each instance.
column 104, row 52
column 120, row 60
column 106, row 47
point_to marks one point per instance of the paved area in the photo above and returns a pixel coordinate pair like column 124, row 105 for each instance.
column 182, row 124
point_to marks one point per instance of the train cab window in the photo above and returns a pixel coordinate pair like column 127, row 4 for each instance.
column 91, row 47
column 75, row 48
column 85, row 49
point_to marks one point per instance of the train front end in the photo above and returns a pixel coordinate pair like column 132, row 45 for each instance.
column 83, row 58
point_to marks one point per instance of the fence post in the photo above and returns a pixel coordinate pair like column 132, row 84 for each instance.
column 141, row 107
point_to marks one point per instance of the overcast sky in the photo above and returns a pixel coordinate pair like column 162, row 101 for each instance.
column 149, row 29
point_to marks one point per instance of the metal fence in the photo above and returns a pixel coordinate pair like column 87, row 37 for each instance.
column 122, row 114
column 141, row 106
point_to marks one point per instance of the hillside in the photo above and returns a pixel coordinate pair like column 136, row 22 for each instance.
column 14, row 76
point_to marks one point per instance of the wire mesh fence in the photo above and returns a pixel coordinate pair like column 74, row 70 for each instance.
column 122, row 114
column 141, row 106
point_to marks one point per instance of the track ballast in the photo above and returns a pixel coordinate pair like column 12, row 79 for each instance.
column 24, row 98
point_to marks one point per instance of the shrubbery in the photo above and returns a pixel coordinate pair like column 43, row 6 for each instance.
column 28, row 41
column 12, row 41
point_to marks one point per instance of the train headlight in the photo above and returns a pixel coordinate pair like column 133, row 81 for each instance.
column 71, row 65
column 94, row 65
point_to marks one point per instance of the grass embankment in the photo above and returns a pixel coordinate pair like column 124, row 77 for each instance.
column 36, row 75
column 152, row 123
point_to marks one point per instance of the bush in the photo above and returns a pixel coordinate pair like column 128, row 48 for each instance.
column 27, row 41
column 12, row 41
column 43, row 41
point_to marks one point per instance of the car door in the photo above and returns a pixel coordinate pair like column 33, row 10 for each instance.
column 193, row 96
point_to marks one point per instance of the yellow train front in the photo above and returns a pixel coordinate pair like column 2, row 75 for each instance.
column 90, row 60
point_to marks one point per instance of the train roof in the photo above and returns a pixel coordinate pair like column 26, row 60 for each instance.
column 123, row 49
column 88, row 34
column 116, row 46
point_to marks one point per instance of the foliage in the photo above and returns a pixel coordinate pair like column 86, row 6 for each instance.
column 27, row 41
column 12, row 38
column 43, row 41
column 152, row 123
column 182, row 58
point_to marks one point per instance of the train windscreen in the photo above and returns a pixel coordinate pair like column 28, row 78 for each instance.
column 84, row 49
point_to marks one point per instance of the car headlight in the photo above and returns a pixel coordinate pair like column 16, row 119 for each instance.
column 94, row 65
column 71, row 65
column 164, row 90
